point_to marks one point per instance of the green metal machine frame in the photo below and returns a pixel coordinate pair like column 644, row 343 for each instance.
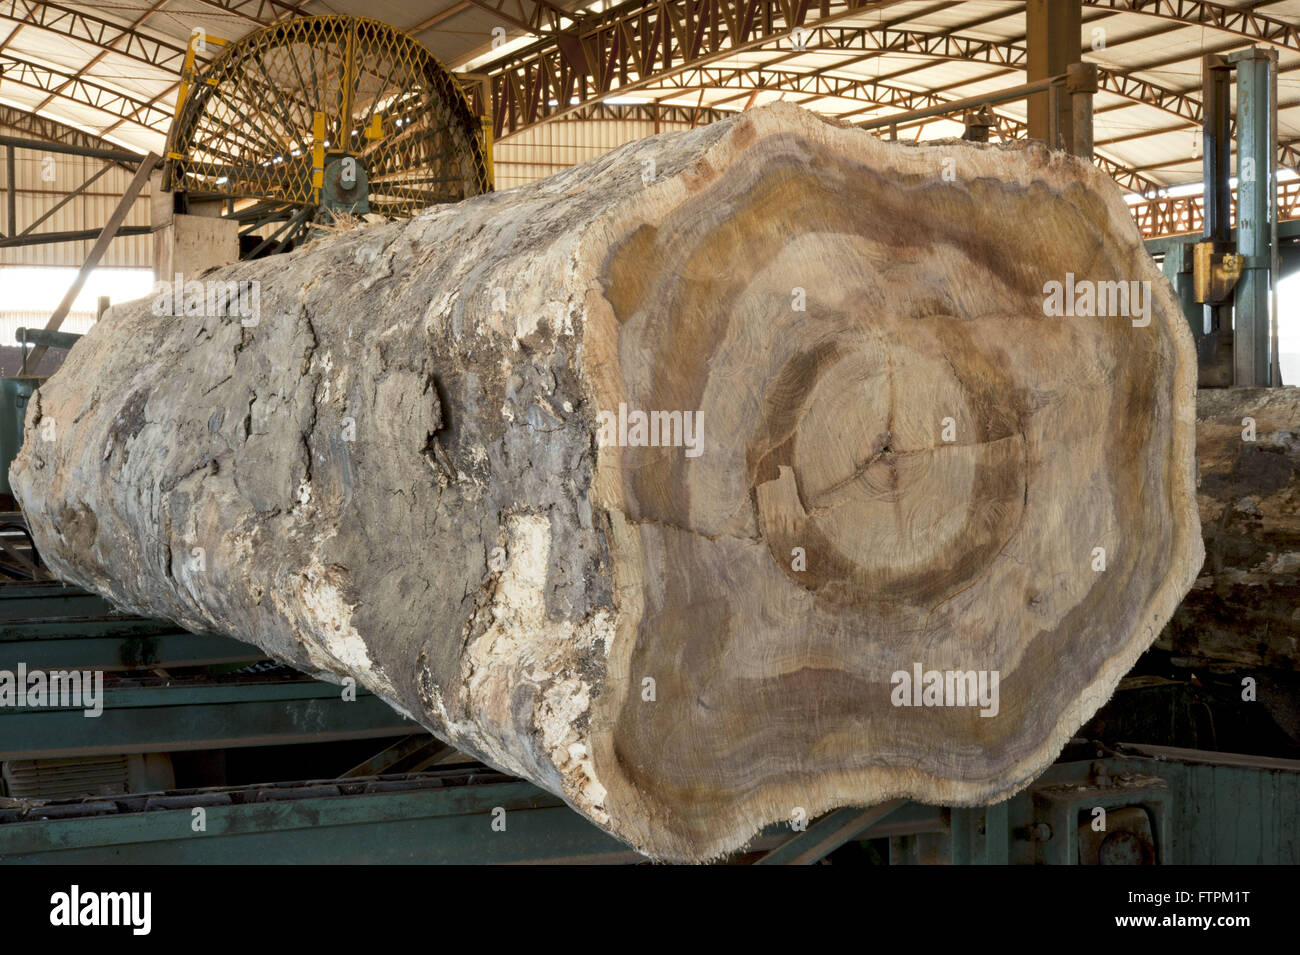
column 1176, row 808
column 1161, row 805
column 49, row 626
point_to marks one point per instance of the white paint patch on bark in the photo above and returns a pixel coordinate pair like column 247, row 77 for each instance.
column 522, row 649
column 328, row 634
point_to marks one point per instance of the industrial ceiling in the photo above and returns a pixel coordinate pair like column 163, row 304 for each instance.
column 110, row 70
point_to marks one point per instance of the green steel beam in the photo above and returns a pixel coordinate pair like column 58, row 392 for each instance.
column 1177, row 268
column 50, row 626
column 444, row 824
column 108, row 644
column 434, row 818
column 26, row 601
column 39, row 336
column 963, row 837
column 212, row 716
column 827, row 834
column 407, row 755
column 53, row 627
column 1219, row 808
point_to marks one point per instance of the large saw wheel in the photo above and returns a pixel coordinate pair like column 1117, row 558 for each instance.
column 319, row 116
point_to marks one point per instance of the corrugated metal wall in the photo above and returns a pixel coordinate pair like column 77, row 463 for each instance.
column 546, row 149
column 45, row 178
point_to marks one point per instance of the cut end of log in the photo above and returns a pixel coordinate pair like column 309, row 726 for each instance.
column 903, row 461
column 736, row 476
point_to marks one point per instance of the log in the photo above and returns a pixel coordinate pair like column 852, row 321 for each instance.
column 893, row 442
column 1244, row 608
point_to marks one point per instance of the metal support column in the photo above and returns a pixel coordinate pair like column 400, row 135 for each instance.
column 1178, row 269
column 827, row 834
column 1256, row 156
column 1216, row 160
column 1053, row 29
column 12, row 222
column 1212, row 329
column 1081, row 83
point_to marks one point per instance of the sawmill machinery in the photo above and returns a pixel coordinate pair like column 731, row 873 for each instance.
column 285, row 131
column 314, row 118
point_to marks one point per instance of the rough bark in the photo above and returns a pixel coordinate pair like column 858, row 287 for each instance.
column 1245, row 606
column 905, row 460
